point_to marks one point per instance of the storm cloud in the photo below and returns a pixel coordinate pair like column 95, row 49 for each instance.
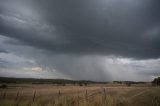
column 75, row 37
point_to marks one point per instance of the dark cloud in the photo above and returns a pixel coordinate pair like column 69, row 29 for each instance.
column 150, row 72
column 97, row 40
column 103, row 27
column 3, row 51
column 4, row 64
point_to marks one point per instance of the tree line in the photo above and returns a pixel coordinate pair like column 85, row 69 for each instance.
column 63, row 82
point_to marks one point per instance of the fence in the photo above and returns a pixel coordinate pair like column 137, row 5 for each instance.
column 85, row 97
column 89, row 97
column 82, row 97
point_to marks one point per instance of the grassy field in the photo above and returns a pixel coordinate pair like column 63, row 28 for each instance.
column 91, row 95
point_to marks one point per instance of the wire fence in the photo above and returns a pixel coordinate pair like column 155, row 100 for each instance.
column 83, row 96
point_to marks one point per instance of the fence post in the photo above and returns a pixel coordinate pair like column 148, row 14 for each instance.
column 103, row 96
column 34, row 95
column 59, row 93
column 17, row 95
column 86, row 95
column 4, row 95
column 78, row 100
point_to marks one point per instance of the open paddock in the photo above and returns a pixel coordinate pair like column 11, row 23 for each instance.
column 68, row 95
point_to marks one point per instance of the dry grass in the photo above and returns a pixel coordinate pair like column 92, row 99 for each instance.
column 48, row 95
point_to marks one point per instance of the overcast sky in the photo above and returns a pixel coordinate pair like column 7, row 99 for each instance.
column 101, row 40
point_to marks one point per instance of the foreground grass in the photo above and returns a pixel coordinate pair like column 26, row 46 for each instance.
column 116, row 96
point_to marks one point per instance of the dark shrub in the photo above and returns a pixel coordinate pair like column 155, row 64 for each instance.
column 3, row 86
column 156, row 81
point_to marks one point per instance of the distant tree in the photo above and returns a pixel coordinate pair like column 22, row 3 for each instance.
column 74, row 83
column 80, row 84
column 128, row 84
column 156, row 81
column 85, row 83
